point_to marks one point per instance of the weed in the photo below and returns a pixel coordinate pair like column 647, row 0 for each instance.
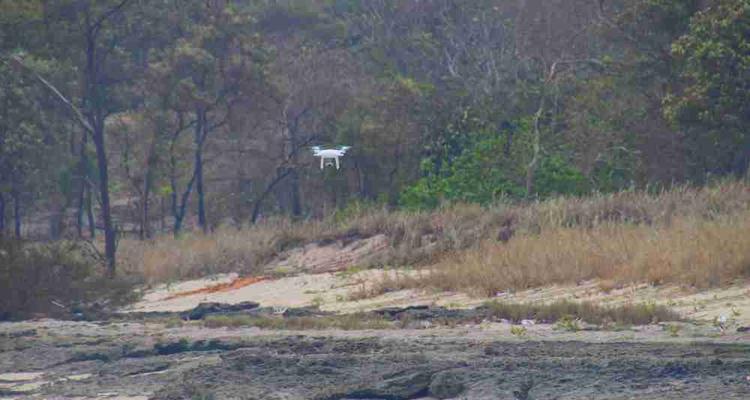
column 350, row 272
column 517, row 330
column 317, row 301
column 673, row 330
column 568, row 323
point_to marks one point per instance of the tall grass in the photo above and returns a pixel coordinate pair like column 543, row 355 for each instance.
column 625, row 314
column 195, row 254
column 472, row 235
column 689, row 251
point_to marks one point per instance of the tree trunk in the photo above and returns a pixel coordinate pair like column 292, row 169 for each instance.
column 16, row 212
column 90, row 212
column 83, row 177
column 294, row 176
column 96, row 115
column 81, row 208
column 296, row 202
column 531, row 169
column 179, row 209
column 259, row 203
column 200, row 136
column 2, row 214
column 109, row 231
column 145, row 231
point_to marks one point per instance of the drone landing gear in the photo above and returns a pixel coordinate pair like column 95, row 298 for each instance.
column 329, row 162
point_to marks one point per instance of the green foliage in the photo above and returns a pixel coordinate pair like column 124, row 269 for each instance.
column 519, row 331
column 714, row 105
column 558, row 176
column 491, row 168
column 436, row 100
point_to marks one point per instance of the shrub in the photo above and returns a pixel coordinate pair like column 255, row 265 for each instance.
column 50, row 279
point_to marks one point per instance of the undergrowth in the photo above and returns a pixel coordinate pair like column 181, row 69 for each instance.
column 688, row 235
column 54, row 280
column 565, row 313
column 343, row 322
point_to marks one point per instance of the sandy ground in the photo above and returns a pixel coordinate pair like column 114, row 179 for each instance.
column 332, row 292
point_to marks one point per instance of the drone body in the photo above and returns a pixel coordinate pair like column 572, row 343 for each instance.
column 329, row 154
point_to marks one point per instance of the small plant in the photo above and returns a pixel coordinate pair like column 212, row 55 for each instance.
column 674, row 330
column 350, row 271
column 517, row 330
column 281, row 272
column 317, row 301
column 568, row 323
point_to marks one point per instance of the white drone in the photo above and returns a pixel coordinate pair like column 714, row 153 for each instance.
column 330, row 155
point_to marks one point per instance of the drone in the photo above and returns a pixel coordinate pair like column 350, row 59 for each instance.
column 330, row 155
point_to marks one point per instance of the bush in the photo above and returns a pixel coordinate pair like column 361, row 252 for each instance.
column 50, row 279
column 482, row 174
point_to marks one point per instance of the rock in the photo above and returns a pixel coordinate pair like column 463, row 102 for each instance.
column 394, row 311
column 402, row 386
column 743, row 329
column 203, row 309
column 447, row 384
column 425, row 313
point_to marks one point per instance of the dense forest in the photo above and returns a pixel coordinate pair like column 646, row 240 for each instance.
column 146, row 117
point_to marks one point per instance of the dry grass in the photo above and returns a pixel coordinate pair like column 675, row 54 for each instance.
column 196, row 254
column 566, row 313
column 690, row 251
column 428, row 237
column 343, row 322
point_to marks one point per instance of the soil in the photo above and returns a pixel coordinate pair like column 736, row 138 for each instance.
column 142, row 360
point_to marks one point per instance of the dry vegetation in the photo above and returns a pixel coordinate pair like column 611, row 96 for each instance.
column 689, row 251
column 626, row 314
column 343, row 322
column 561, row 312
column 694, row 236
column 54, row 279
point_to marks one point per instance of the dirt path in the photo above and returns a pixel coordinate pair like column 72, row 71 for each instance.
column 135, row 361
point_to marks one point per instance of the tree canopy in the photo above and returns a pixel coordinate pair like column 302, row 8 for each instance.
column 137, row 117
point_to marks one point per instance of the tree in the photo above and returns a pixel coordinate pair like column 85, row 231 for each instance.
column 89, row 23
column 26, row 171
column 713, row 104
column 213, row 67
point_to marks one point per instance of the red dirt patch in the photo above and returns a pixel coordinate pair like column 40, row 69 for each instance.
column 222, row 287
